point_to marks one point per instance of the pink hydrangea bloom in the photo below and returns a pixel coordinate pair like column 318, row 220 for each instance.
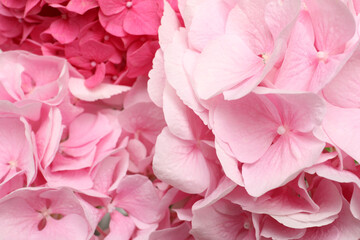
column 136, row 17
column 46, row 213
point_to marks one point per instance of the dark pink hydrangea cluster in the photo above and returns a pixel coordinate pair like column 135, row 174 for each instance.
column 106, row 40
column 179, row 120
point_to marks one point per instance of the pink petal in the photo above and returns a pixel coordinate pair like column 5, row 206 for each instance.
column 81, row 6
column 180, row 119
column 70, row 226
column 138, row 197
column 142, row 18
column 180, row 232
column 175, row 71
column 79, row 179
column 273, row 229
column 64, row 31
column 344, row 89
column 102, row 91
column 329, row 200
column 48, row 137
column 157, row 77
column 208, row 22
column 286, row 157
column 281, row 15
column 222, row 220
column 247, row 20
column 340, row 124
column 247, row 125
column 186, row 169
column 113, row 24
column 17, row 214
column 333, row 23
column 169, row 25
column 97, row 51
column 98, row 77
column 226, row 58
column 109, row 172
column 138, row 93
column 121, row 227
column 139, row 57
column 143, row 119
column 229, row 165
column 111, row 7
column 300, row 58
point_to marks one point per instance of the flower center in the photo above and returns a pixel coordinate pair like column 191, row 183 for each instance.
column 281, row 130
column 93, row 63
column 265, row 57
column 246, row 225
column 129, row 4
column 322, row 56
column 12, row 164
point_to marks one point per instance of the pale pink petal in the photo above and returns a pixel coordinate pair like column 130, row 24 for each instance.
column 333, row 23
column 328, row 198
column 175, row 71
column 247, row 20
column 286, row 157
column 16, row 148
column 226, row 58
column 229, row 165
column 169, row 24
column 289, row 199
column 137, row 195
column 138, row 93
column 180, row 232
column 247, row 125
column 344, row 227
column 275, row 230
column 75, row 179
column 208, row 22
column 355, row 203
column 121, row 227
column 186, row 169
column 341, row 125
column 70, row 226
column 344, row 89
column 157, row 77
column 300, row 58
column 28, row 109
column 143, row 119
column 179, row 118
column 48, row 137
column 17, row 214
column 102, row 91
column 109, row 172
column 222, row 220
column 223, row 188
column 279, row 15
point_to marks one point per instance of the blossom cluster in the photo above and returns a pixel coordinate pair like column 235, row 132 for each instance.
column 179, row 120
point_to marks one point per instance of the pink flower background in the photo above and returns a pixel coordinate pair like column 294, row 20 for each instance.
column 180, row 120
